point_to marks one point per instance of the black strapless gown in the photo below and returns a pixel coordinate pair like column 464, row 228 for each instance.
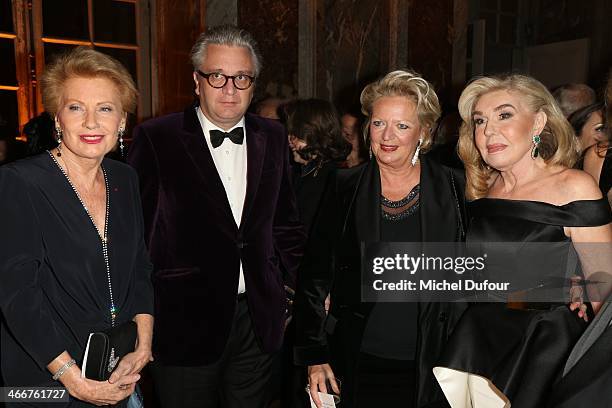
column 498, row 356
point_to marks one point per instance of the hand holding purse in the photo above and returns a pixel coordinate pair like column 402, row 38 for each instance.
column 105, row 349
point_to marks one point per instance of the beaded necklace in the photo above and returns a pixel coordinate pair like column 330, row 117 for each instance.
column 103, row 237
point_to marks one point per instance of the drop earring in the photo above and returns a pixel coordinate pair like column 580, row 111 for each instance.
column 120, row 134
column 535, row 150
column 58, row 132
column 415, row 157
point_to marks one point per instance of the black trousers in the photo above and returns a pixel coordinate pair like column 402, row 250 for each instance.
column 391, row 383
column 241, row 378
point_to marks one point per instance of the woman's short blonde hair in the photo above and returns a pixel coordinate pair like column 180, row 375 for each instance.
column 408, row 84
column 87, row 63
column 558, row 144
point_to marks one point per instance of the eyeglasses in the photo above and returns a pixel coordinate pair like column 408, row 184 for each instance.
column 218, row 80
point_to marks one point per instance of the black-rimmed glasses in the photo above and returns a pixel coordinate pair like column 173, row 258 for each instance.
column 218, row 80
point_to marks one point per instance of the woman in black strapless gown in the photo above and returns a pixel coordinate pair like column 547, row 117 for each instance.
column 518, row 148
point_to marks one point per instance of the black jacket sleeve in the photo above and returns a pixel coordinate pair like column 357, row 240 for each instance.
column 288, row 231
column 143, row 266
column 315, row 279
column 26, row 309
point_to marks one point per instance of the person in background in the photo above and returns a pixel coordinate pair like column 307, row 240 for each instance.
column 446, row 137
column 598, row 159
column 223, row 232
column 268, row 107
column 4, row 150
column 11, row 149
column 39, row 132
column 352, row 132
column 588, row 124
column 572, row 97
column 317, row 145
column 383, row 352
column 73, row 258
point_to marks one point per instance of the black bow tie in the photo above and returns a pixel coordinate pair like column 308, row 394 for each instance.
column 236, row 135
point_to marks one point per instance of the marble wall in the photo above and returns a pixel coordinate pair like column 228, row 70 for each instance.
column 177, row 25
column 274, row 24
column 351, row 47
column 431, row 36
column 353, row 42
column 550, row 21
column 221, row 12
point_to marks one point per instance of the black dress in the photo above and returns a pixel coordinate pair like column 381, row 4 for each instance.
column 521, row 352
column 605, row 177
column 54, row 289
column 387, row 371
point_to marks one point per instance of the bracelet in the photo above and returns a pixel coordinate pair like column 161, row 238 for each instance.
column 63, row 369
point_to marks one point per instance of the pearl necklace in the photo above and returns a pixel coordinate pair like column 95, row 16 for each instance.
column 103, row 237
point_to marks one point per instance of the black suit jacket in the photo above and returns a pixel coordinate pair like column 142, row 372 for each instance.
column 309, row 189
column 588, row 381
column 196, row 246
column 350, row 214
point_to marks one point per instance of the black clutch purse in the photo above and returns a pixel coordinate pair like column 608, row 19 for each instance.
column 105, row 349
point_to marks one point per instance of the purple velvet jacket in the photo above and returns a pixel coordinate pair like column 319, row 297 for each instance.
column 196, row 246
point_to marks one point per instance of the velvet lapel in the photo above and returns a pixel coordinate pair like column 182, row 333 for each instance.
column 367, row 205
column 196, row 149
column 438, row 224
column 256, row 148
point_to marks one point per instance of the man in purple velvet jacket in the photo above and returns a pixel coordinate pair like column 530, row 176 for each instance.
column 223, row 232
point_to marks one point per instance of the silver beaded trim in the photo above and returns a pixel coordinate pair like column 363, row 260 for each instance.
column 386, row 203
column 103, row 238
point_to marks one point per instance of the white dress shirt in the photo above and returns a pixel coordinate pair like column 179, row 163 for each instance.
column 231, row 162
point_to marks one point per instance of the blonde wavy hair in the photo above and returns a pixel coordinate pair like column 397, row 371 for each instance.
column 86, row 63
column 558, row 144
column 408, row 84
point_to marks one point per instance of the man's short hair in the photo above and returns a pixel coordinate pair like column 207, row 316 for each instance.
column 572, row 97
column 229, row 35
